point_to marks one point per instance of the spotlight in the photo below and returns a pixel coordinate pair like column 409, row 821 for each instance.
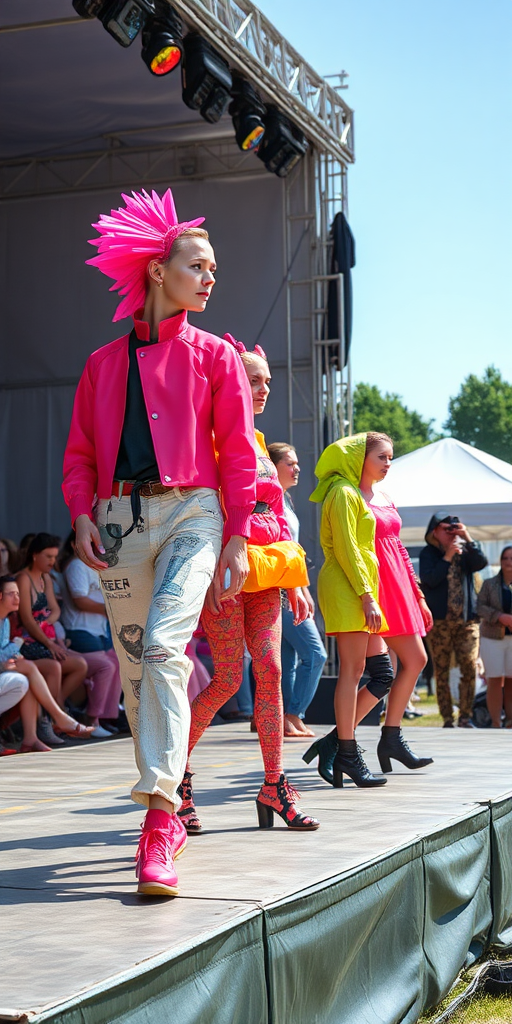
column 283, row 144
column 248, row 113
column 87, row 8
column 206, row 78
column 161, row 40
column 123, row 19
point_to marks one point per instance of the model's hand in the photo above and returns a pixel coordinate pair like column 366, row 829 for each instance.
column 211, row 603
column 298, row 605
column 506, row 620
column 88, row 538
column 426, row 614
column 309, row 601
column 372, row 613
column 234, row 558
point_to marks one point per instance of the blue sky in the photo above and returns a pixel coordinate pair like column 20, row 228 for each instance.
column 430, row 196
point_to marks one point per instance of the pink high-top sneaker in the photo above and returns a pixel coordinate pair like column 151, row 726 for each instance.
column 163, row 839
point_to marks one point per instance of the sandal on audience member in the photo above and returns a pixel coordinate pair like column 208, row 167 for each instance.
column 34, row 748
column 5, row 751
column 292, row 730
column 77, row 730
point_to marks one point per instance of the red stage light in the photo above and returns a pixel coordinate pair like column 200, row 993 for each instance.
column 165, row 60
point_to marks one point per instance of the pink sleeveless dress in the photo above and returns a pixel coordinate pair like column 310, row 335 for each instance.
column 397, row 584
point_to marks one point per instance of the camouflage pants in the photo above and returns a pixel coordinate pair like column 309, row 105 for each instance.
column 462, row 639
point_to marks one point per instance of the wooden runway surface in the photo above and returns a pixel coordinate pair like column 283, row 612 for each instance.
column 68, row 833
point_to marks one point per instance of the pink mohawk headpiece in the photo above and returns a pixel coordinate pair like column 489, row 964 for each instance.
column 144, row 230
column 240, row 347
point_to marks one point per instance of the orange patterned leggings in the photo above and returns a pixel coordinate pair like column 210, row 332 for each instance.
column 257, row 619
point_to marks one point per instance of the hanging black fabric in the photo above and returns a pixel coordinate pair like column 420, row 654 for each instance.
column 342, row 260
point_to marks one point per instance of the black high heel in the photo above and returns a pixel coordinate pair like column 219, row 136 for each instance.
column 348, row 761
column 279, row 797
column 325, row 750
column 393, row 745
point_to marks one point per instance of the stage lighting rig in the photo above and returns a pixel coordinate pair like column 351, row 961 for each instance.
column 248, row 113
column 283, row 144
column 206, row 78
column 123, row 19
column 161, row 39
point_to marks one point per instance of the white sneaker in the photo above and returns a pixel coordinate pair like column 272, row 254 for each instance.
column 99, row 733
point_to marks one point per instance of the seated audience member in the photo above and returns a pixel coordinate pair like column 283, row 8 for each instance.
column 13, row 686
column 84, row 619
column 494, row 606
column 8, row 556
column 38, row 612
column 447, row 566
column 22, row 683
column 22, row 550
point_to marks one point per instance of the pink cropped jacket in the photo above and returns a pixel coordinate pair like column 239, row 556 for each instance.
column 195, row 389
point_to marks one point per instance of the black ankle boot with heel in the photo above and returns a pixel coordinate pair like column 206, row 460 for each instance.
column 393, row 745
column 325, row 750
column 349, row 761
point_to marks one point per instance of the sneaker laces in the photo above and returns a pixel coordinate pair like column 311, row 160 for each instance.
column 157, row 839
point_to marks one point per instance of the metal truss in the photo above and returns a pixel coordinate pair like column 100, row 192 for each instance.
column 323, row 397
column 118, row 165
column 250, row 42
column 318, row 384
column 246, row 38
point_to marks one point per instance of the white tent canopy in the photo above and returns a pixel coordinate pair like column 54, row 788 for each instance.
column 451, row 475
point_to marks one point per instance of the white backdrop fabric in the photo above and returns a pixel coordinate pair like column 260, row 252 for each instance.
column 454, row 476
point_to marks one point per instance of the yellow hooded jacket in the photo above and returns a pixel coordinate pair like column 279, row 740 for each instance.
column 347, row 536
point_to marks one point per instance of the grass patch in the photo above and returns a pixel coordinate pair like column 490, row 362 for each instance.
column 483, row 1010
column 480, row 1008
column 430, row 712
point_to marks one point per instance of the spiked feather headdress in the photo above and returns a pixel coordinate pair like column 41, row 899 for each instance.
column 130, row 238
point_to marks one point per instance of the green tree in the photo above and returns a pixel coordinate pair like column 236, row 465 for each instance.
column 387, row 413
column 481, row 414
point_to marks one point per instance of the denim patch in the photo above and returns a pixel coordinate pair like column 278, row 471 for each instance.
column 178, row 569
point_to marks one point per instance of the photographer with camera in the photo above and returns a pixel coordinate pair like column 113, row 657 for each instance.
column 447, row 565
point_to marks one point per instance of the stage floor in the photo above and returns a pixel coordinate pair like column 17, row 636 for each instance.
column 71, row 917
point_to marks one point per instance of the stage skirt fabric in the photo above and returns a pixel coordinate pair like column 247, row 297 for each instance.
column 397, row 589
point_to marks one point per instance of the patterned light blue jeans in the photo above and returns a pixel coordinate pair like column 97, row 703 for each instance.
column 154, row 591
